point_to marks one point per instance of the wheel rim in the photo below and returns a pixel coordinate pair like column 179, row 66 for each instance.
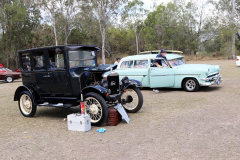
column 94, row 109
column 9, row 79
column 190, row 84
column 132, row 105
column 26, row 104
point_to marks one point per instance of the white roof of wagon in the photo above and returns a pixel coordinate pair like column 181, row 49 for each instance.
column 146, row 56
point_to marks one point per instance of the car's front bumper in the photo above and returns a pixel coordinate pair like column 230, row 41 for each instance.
column 212, row 80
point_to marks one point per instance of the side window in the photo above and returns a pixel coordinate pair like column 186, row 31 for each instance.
column 56, row 60
column 136, row 64
column 126, row 64
column 123, row 64
column 26, row 63
column 38, row 60
column 141, row 64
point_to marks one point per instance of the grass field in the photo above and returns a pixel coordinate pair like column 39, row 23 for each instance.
column 172, row 125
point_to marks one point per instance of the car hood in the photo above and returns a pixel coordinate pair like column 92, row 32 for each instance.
column 200, row 67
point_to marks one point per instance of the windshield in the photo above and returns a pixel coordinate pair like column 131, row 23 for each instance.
column 81, row 58
column 177, row 62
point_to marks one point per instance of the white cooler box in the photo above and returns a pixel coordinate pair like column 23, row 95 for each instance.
column 79, row 122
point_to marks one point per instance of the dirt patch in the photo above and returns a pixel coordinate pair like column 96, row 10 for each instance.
column 172, row 124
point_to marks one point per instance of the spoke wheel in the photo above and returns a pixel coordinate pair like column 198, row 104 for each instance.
column 9, row 79
column 26, row 106
column 191, row 85
column 96, row 107
column 132, row 100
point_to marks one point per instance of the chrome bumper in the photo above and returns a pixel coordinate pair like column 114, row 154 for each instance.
column 211, row 80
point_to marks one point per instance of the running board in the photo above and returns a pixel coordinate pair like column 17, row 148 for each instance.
column 56, row 105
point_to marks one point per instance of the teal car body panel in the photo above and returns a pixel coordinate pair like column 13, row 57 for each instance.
column 140, row 67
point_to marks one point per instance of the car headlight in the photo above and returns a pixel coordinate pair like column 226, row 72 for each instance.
column 125, row 81
column 104, row 83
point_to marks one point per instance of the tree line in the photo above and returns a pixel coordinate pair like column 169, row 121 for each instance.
column 119, row 26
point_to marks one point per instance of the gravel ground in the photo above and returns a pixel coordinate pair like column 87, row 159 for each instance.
column 172, row 125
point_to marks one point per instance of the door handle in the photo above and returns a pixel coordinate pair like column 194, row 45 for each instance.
column 46, row 76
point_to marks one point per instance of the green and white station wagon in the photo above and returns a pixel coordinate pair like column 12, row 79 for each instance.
column 175, row 74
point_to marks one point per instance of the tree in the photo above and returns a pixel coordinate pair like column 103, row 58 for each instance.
column 103, row 10
column 227, row 12
column 20, row 20
column 133, row 13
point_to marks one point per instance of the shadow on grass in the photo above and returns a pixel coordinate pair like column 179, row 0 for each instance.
column 55, row 112
column 209, row 89
column 166, row 90
column 162, row 90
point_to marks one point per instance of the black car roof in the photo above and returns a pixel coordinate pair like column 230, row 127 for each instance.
column 68, row 47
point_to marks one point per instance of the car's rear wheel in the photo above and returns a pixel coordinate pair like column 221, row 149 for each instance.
column 96, row 107
column 9, row 79
column 132, row 100
column 190, row 85
column 26, row 105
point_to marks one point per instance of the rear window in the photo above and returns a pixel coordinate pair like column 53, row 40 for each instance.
column 26, row 65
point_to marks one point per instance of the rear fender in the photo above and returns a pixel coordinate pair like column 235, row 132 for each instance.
column 20, row 89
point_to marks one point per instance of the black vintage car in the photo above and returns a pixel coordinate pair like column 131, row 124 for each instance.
column 65, row 75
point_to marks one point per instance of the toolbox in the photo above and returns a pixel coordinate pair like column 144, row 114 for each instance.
column 114, row 117
column 79, row 122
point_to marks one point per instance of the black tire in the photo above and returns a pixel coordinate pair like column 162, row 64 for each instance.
column 9, row 79
column 136, row 104
column 190, row 85
column 26, row 104
column 96, row 107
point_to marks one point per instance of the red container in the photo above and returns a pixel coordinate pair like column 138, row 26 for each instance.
column 114, row 117
column 82, row 108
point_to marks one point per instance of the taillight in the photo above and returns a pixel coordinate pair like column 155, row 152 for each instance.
column 2, row 71
column 237, row 59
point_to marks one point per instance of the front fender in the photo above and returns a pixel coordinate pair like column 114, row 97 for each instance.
column 135, row 82
column 99, row 89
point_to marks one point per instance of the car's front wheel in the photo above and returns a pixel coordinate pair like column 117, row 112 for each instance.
column 26, row 105
column 132, row 100
column 96, row 107
column 190, row 85
column 9, row 79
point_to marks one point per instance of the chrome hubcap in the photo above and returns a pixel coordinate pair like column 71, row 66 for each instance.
column 132, row 105
column 190, row 84
column 93, row 108
column 9, row 79
column 26, row 104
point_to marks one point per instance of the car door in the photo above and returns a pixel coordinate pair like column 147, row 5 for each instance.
column 161, row 77
column 58, row 77
column 40, row 72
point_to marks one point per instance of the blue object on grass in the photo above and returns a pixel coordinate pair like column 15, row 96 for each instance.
column 101, row 130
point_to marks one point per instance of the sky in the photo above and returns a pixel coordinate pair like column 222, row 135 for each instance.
column 148, row 4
